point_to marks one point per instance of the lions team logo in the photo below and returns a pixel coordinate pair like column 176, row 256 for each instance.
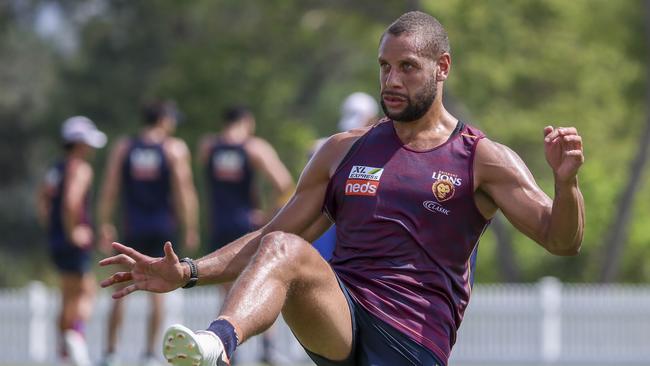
column 443, row 190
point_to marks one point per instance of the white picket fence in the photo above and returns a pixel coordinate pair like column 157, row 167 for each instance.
column 547, row 323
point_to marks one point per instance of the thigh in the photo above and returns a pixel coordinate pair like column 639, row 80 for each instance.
column 316, row 308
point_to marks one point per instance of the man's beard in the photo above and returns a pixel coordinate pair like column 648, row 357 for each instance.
column 415, row 108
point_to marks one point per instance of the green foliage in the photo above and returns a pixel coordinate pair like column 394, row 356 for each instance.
column 520, row 65
column 517, row 66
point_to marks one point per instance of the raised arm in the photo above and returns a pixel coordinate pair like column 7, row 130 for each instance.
column 185, row 198
column 297, row 216
column 556, row 224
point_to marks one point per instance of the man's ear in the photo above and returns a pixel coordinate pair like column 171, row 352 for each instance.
column 443, row 66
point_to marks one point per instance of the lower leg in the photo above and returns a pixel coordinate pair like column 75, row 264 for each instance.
column 76, row 302
column 259, row 294
column 87, row 298
column 285, row 274
column 72, row 320
column 155, row 320
column 256, row 299
column 114, row 323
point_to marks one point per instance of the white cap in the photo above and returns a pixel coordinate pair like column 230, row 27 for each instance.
column 356, row 110
column 82, row 129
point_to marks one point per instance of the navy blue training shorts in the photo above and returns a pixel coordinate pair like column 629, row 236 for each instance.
column 70, row 259
column 376, row 343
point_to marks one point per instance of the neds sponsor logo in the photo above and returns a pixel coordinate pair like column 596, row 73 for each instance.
column 358, row 187
column 363, row 181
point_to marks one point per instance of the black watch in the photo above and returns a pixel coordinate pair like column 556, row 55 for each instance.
column 194, row 272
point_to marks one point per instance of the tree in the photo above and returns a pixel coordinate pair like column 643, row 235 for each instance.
column 617, row 236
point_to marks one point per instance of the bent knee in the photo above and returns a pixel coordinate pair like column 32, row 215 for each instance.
column 283, row 246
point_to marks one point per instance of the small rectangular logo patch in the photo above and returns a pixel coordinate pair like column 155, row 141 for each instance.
column 360, row 187
column 365, row 172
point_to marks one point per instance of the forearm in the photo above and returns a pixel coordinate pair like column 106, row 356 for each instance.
column 72, row 211
column 566, row 223
column 191, row 211
column 226, row 263
column 106, row 205
column 70, row 220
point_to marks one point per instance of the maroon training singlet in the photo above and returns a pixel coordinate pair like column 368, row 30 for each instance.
column 407, row 230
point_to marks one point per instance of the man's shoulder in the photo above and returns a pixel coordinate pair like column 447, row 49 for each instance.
column 488, row 150
column 336, row 148
column 257, row 148
column 79, row 169
column 255, row 142
column 175, row 147
column 346, row 139
column 494, row 161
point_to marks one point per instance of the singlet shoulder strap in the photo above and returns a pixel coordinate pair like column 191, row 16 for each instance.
column 460, row 126
column 354, row 148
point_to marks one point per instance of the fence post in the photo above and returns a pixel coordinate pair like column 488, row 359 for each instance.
column 37, row 333
column 550, row 292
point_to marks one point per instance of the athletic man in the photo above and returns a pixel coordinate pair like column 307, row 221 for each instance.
column 231, row 160
column 410, row 197
column 63, row 207
column 153, row 175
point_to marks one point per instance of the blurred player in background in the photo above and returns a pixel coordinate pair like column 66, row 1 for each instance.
column 152, row 173
column 64, row 208
column 232, row 160
column 358, row 110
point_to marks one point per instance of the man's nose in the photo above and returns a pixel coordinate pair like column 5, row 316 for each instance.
column 393, row 80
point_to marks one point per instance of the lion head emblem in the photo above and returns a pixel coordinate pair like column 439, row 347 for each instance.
column 443, row 190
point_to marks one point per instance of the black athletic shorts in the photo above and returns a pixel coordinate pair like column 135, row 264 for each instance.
column 70, row 259
column 376, row 343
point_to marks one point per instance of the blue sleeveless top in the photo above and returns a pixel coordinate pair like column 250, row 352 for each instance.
column 230, row 182
column 147, row 196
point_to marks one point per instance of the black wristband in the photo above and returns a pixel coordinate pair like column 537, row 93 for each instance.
column 194, row 272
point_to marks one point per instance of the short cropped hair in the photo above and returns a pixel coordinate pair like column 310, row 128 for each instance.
column 154, row 111
column 432, row 35
column 235, row 113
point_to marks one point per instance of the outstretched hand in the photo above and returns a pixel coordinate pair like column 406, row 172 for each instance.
column 563, row 147
column 146, row 273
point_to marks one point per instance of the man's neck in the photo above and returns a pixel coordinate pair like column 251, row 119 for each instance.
column 74, row 155
column 235, row 134
column 156, row 134
column 433, row 129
